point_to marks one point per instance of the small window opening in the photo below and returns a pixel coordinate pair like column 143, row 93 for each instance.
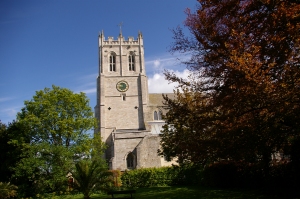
column 131, row 62
column 112, row 63
column 155, row 115
column 159, row 115
column 130, row 160
column 123, row 97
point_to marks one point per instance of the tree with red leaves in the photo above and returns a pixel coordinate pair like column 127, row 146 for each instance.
column 242, row 99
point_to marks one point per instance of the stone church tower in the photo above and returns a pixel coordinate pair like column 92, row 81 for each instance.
column 128, row 123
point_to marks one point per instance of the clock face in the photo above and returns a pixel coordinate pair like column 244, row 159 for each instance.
column 122, row 86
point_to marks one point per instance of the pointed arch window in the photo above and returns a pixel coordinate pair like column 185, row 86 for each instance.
column 131, row 61
column 159, row 115
column 130, row 160
column 155, row 115
column 112, row 62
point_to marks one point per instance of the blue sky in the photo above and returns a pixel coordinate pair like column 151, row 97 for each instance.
column 56, row 42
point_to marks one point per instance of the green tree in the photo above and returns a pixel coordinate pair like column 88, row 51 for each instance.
column 245, row 63
column 4, row 139
column 57, row 122
column 12, row 140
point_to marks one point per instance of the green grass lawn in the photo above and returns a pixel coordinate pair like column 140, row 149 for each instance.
column 185, row 192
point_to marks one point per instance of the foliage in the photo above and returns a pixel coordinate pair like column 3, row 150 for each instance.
column 4, row 147
column 146, row 177
column 57, row 121
column 13, row 142
column 241, row 101
column 188, row 132
column 7, row 190
column 223, row 174
column 91, row 174
column 116, row 178
column 164, row 176
column 10, row 151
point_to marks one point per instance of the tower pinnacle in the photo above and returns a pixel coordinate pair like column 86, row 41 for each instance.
column 120, row 25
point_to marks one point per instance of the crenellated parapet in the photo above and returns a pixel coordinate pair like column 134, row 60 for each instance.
column 111, row 41
column 120, row 40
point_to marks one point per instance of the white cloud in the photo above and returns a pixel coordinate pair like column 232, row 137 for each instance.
column 158, row 84
column 155, row 68
column 156, row 63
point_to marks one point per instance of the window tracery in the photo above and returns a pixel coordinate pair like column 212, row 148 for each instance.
column 159, row 115
column 112, row 62
column 155, row 115
column 131, row 62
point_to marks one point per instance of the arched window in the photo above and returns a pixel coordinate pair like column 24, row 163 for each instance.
column 131, row 62
column 155, row 115
column 130, row 161
column 159, row 115
column 112, row 62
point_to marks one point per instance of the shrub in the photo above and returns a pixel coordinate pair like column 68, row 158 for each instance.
column 7, row 190
column 164, row 176
column 187, row 174
column 116, row 178
column 145, row 177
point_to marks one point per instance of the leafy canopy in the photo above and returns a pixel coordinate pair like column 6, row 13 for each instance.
column 245, row 80
column 57, row 122
column 12, row 139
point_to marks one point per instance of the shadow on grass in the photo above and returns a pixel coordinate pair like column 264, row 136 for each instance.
column 192, row 193
column 195, row 193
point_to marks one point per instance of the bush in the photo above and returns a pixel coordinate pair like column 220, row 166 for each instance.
column 7, row 190
column 116, row 178
column 145, row 177
column 281, row 178
column 164, row 176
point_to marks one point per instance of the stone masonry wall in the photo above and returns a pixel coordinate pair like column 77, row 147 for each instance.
column 147, row 152
column 122, row 147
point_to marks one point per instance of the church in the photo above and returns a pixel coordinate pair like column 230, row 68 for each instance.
column 129, row 118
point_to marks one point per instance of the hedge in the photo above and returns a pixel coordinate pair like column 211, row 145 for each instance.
column 224, row 174
column 164, row 176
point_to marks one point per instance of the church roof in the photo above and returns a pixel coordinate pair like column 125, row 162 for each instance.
column 156, row 99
